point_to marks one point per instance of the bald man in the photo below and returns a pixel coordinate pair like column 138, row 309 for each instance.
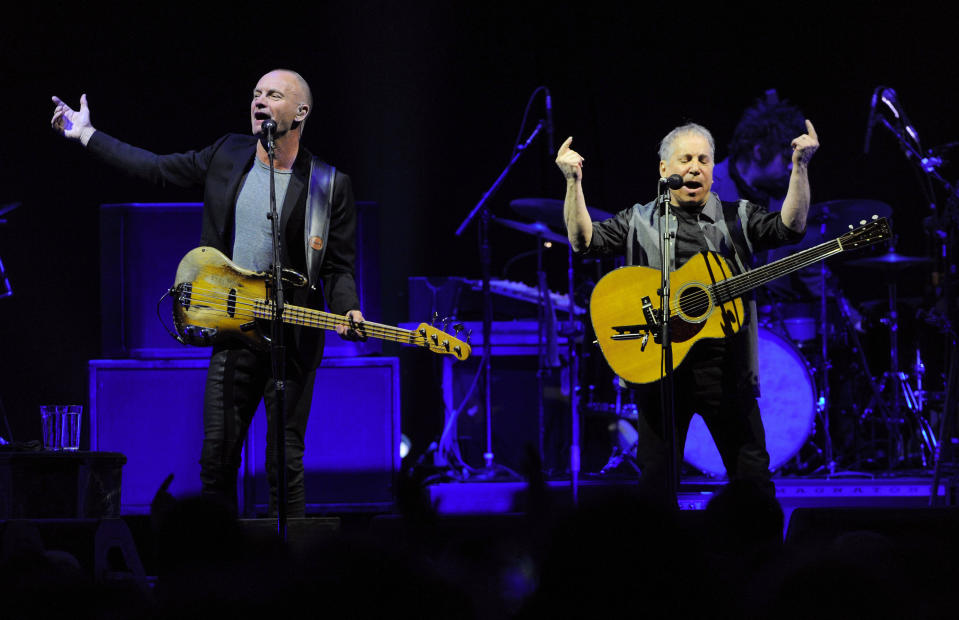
column 317, row 231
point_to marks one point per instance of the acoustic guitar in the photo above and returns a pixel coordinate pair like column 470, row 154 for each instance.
column 705, row 302
column 215, row 300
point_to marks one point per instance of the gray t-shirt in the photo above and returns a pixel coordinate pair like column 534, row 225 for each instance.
column 252, row 238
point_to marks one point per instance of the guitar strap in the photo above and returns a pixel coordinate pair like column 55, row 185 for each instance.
column 319, row 205
column 735, row 215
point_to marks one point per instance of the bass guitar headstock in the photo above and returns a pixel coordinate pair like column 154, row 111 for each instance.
column 438, row 341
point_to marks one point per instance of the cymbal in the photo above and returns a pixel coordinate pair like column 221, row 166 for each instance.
column 890, row 261
column 550, row 211
column 537, row 229
column 837, row 215
column 828, row 220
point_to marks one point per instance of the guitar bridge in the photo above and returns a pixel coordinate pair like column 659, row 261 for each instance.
column 629, row 332
column 185, row 295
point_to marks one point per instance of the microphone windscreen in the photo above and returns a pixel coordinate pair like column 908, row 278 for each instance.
column 674, row 181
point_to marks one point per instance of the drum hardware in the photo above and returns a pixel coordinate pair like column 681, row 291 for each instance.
column 622, row 432
column 787, row 405
column 901, row 406
column 481, row 212
column 546, row 212
column 625, row 441
column 830, row 215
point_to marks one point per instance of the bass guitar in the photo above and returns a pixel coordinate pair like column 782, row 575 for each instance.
column 215, row 300
column 706, row 302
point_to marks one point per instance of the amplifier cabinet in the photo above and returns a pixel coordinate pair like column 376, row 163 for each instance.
column 152, row 412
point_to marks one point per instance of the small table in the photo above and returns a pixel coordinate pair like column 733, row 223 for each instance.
column 58, row 485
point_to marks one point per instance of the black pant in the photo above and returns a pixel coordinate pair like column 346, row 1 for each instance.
column 236, row 382
column 711, row 381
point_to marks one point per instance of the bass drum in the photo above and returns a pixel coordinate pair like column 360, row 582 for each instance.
column 787, row 407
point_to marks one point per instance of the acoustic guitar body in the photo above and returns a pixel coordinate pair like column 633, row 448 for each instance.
column 626, row 301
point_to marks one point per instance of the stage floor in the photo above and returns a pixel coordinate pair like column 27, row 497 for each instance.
column 845, row 491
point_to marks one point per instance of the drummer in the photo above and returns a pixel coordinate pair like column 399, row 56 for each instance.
column 757, row 169
column 760, row 158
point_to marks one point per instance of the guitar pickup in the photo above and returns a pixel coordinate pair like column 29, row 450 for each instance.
column 635, row 332
column 648, row 313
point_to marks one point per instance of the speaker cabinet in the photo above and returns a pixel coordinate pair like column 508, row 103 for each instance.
column 152, row 412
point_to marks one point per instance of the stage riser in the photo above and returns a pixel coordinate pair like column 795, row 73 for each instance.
column 473, row 498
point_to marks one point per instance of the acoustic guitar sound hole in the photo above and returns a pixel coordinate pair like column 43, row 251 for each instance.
column 694, row 302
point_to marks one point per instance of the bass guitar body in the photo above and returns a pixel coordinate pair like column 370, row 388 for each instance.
column 214, row 300
column 218, row 301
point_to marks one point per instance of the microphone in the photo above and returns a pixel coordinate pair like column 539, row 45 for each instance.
column 673, row 181
column 549, row 121
column 268, row 129
column 891, row 100
column 871, row 122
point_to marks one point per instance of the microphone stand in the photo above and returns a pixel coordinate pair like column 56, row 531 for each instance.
column 278, row 352
column 572, row 331
column 666, row 383
column 824, row 395
column 485, row 261
column 927, row 170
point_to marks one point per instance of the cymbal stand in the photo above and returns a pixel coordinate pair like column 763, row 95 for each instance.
column 491, row 468
column 926, row 165
column 548, row 354
column 904, row 400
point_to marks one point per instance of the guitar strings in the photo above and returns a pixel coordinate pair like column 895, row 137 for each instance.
column 698, row 302
column 262, row 310
column 255, row 308
column 397, row 335
column 308, row 316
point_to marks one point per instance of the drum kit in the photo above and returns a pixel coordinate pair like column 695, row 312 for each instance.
column 836, row 396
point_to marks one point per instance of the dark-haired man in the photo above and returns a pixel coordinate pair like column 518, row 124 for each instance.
column 760, row 162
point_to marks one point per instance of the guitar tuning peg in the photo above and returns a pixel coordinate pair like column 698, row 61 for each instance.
column 469, row 333
column 862, row 222
column 875, row 217
column 850, row 227
column 446, row 323
column 436, row 317
column 458, row 327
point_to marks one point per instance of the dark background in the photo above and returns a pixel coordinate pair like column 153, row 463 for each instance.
column 421, row 104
